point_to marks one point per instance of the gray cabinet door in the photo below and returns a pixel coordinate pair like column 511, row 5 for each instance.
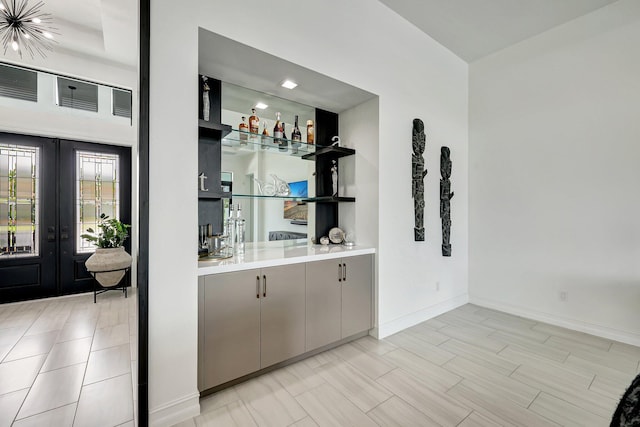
column 200, row 333
column 231, row 327
column 324, row 296
column 357, row 286
column 282, row 313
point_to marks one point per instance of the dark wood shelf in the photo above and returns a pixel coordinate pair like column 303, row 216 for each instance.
column 329, row 199
column 330, row 153
column 213, row 195
column 213, row 130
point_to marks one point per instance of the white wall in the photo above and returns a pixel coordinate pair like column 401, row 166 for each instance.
column 359, row 177
column 413, row 76
column 173, row 146
column 554, row 200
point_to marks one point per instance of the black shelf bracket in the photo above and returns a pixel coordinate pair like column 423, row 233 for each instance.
column 212, row 130
column 331, row 153
column 329, row 199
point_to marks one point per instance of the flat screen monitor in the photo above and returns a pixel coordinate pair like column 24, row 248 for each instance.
column 294, row 210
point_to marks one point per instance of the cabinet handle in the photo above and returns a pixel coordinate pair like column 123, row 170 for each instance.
column 264, row 279
column 344, row 272
column 257, row 286
column 339, row 272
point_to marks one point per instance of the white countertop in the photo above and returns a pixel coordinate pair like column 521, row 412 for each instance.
column 269, row 254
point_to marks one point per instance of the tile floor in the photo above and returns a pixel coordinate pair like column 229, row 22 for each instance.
column 469, row 367
column 69, row 362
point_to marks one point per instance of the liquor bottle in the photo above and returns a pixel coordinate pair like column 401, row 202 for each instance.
column 230, row 229
column 278, row 131
column 254, row 122
column 296, row 137
column 240, row 231
column 310, row 132
column 244, row 129
column 265, row 136
column 284, row 142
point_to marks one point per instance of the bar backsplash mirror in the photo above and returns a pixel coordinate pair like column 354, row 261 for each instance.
column 245, row 168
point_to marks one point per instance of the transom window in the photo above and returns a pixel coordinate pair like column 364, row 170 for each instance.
column 77, row 94
column 121, row 103
column 18, row 83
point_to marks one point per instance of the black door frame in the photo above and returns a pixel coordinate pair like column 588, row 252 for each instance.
column 143, row 215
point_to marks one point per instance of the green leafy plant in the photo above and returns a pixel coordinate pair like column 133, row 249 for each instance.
column 112, row 233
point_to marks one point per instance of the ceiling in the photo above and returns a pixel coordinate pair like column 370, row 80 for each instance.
column 104, row 29
column 236, row 63
column 472, row 29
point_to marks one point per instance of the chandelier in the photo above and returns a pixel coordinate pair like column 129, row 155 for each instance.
column 24, row 27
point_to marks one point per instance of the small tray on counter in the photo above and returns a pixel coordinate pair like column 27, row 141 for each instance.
column 224, row 254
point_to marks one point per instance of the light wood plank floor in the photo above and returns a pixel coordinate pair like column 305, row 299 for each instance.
column 469, row 367
column 69, row 362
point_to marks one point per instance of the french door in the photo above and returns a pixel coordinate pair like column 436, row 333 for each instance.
column 51, row 191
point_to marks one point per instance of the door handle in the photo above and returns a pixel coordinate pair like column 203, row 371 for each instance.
column 264, row 279
column 339, row 272
column 64, row 233
column 344, row 272
column 51, row 234
column 257, row 286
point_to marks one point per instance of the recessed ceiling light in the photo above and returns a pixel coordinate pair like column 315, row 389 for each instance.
column 289, row 84
column 261, row 105
column 47, row 34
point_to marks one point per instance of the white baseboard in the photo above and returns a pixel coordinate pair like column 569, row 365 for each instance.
column 419, row 316
column 175, row 412
column 574, row 324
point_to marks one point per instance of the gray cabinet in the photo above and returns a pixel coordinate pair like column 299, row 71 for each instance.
column 357, row 294
column 282, row 313
column 324, row 303
column 249, row 320
column 230, row 333
column 339, row 299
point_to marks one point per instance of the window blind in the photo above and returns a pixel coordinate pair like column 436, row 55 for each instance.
column 121, row 103
column 18, row 83
column 78, row 95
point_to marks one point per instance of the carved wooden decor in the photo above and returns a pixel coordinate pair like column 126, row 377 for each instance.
column 445, row 199
column 418, row 172
column 206, row 100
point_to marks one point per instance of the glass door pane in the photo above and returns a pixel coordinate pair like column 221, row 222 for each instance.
column 97, row 192
column 19, row 200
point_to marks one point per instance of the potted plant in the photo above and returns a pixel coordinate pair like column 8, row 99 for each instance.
column 110, row 260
